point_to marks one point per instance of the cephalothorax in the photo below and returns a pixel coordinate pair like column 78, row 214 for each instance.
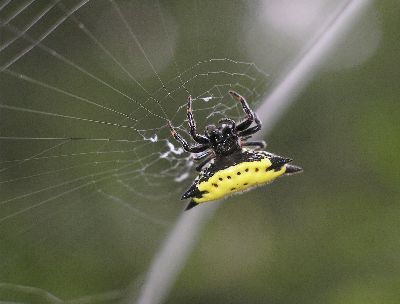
column 229, row 162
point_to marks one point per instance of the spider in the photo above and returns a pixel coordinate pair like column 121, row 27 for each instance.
column 229, row 161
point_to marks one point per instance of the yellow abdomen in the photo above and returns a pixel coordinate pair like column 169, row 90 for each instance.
column 237, row 178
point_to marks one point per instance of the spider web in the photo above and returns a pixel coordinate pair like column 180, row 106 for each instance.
column 90, row 177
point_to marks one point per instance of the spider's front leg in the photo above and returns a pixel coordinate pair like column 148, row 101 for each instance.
column 203, row 163
column 184, row 144
column 252, row 130
column 192, row 124
column 200, row 156
column 246, row 108
column 205, row 158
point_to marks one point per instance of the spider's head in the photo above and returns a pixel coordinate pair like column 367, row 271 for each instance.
column 223, row 139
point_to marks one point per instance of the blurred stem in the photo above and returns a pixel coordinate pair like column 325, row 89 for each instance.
column 173, row 254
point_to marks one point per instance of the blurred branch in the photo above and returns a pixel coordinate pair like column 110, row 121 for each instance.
column 174, row 252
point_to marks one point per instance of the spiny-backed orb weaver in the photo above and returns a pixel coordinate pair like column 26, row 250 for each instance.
column 228, row 166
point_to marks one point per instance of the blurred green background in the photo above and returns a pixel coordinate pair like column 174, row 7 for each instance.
column 329, row 235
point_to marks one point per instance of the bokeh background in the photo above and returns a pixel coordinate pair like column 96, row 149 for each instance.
column 329, row 235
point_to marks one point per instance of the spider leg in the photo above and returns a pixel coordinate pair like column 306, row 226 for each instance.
column 260, row 144
column 246, row 108
column 205, row 157
column 200, row 156
column 252, row 130
column 203, row 163
column 184, row 144
column 192, row 124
